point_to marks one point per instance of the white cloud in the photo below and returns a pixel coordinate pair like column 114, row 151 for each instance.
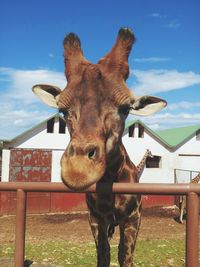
column 51, row 55
column 154, row 127
column 170, row 120
column 20, row 108
column 151, row 59
column 156, row 81
column 173, row 24
column 183, row 105
column 21, row 82
column 17, row 121
column 156, row 15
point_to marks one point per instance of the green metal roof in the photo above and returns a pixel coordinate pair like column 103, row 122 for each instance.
column 176, row 136
column 170, row 137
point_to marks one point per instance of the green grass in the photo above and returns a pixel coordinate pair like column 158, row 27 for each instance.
column 149, row 253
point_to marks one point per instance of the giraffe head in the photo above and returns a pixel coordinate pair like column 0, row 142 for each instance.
column 95, row 104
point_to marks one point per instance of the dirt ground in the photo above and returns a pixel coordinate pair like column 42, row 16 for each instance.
column 157, row 222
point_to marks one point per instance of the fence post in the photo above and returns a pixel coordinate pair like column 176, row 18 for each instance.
column 20, row 228
column 192, row 230
column 190, row 176
column 175, row 178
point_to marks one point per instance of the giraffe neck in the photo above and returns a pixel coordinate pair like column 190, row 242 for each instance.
column 140, row 166
column 196, row 179
column 115, row 162
column 119, row 167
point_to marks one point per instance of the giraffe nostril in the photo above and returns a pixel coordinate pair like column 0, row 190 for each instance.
column 70, row 151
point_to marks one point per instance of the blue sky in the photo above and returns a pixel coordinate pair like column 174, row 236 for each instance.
column 164, row 61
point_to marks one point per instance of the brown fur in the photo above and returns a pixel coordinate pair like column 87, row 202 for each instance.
column 141, row 165
column 94, row 117
column 95, row 104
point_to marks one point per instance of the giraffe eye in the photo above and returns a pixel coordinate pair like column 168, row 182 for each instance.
column 124, row 109
column 64, row 112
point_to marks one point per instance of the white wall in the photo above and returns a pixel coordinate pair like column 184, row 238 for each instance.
column 40, row 139
column 55, row 171
column 192, row 146
column 189, row 163
column 188, row 158
column 136, row 148
column 192, row 150
column 171, row 160
column 5, row 165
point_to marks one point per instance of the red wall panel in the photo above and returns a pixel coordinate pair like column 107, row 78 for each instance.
column 157, row 200
column 35, row 166
column 29, row 165
column 66, row 202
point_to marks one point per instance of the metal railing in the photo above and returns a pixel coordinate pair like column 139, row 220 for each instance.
column 191, row 190
column 188, row 175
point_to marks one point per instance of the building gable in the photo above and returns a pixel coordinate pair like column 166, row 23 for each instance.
column 49, row 134
column 169, row 138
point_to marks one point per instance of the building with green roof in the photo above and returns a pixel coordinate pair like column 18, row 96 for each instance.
column 35, row 154
column 176, row 150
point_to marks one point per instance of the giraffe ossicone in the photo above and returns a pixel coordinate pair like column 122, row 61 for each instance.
column 95, row 104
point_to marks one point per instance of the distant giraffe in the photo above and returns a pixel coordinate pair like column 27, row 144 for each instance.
column 195, row 180
column 140, row 166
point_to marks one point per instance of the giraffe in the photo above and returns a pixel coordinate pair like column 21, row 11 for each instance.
column 183, row 199
column 140, row 166
column 95, row 104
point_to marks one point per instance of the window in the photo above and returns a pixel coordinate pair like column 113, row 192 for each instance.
column 198, row 135
column 154, row 162
column 62, row 126
column 140, row 131
column 131, row 131
column 50, row 125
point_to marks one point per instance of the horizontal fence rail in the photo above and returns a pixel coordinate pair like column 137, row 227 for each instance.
column 191, row 190
column 125, row 188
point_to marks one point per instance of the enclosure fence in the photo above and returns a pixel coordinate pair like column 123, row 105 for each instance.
column 192, row 191
column 184, row 176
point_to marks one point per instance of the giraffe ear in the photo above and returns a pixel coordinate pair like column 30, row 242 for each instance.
column 48, row 94
column 147, row 105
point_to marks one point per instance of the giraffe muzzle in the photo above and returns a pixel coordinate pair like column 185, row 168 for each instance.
column 82, row 165
column 91, row 151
